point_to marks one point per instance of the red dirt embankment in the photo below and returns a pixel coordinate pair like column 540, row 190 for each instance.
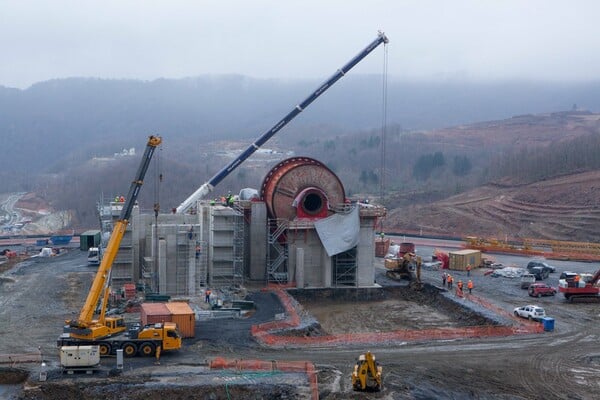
column 564, row 208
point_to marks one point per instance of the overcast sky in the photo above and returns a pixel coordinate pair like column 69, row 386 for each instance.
column 444, row 39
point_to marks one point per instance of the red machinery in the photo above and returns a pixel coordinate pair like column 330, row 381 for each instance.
column 574, row 291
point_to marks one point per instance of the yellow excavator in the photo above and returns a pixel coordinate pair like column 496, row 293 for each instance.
column 108, row 332
column 367, row 374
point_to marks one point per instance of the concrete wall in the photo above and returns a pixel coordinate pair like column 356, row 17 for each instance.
column 317, row 265
column 365, row 273
column 257, row 241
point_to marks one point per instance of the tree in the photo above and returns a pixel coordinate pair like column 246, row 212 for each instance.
column 461, row 166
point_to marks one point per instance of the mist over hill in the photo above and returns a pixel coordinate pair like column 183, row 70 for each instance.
column 60, row 136
column 81, row 117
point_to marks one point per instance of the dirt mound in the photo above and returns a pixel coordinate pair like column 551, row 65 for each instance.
column 563, row 208
column 10, row 376
column 32, row 202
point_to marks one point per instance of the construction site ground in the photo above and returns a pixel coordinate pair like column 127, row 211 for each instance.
column 314, row 354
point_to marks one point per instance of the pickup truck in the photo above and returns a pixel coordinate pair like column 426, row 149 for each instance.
column 540, row 273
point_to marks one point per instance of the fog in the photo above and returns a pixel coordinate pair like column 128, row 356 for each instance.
column 429, row 40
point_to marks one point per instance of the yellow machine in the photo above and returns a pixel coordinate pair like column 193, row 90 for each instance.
column 406, row 267
column 109, row 332
column 367, row 373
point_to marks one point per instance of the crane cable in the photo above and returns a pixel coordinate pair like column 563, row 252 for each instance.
column 384, row 107
column 158, row 177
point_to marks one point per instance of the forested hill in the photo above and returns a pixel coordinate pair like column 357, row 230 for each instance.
column 81, row 117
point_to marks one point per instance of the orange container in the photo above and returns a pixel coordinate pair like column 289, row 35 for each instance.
column 381, row 247
column 185, row 318
column 152, row 313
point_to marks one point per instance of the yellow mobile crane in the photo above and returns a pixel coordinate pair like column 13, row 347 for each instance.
column 111, row 333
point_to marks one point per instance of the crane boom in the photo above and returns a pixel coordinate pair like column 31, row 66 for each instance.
column 101, row 279
column 222, row 174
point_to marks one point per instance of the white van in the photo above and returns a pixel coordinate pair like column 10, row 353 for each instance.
column 526, row 280
column 94, row 256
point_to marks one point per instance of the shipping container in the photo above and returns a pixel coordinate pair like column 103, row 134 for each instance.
column 152, row 313
column 460, row 259
column 89, row 239
column 185, row 318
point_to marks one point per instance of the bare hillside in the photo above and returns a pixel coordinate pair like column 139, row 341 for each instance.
column 564, row 208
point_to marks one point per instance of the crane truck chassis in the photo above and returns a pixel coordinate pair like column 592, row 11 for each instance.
column 111, row 333
column 136, row 340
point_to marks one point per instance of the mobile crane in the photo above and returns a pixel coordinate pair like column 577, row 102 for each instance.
column 207, row 187
column 110, row 333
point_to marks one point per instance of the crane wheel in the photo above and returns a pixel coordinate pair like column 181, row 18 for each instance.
column 129, row 349
column 147, row 349
column 104, row 349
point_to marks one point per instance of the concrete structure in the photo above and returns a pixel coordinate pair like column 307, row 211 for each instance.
column 272, row 240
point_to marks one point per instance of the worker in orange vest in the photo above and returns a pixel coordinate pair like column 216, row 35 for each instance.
column 576, row 280
column 449, row 280
column 470, row 285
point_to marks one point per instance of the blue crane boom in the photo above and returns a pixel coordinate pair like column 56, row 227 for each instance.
column 223, row 173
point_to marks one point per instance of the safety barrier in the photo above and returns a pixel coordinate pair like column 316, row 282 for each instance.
column 265, row 333
column 241, row 365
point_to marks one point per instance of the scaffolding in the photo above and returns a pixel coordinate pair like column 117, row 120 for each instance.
column 226, row 230
column 344, row 268
column 277, row 251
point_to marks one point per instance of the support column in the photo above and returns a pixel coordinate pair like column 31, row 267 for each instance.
column 299, row 264
column 162, row 266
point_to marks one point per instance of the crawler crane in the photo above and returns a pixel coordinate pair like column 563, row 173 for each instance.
column 111, row 333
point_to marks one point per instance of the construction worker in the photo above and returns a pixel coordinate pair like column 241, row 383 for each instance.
column 444, row 279
column 576, row 280
column 468, row 269
column 229, row 200
column 213, row 202
column 459, row 287
column 470, row 286
column 122, row 199
column 207, row 296
column 449, row 280
column 116, row 198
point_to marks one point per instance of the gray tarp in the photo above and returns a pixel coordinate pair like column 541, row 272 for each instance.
column 339, row 232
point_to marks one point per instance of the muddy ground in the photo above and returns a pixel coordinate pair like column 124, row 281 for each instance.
column 39, row 294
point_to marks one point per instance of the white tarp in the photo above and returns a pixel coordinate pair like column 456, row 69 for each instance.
column 339, row 232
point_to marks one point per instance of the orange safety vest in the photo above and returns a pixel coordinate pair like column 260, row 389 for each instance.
column 470, row 285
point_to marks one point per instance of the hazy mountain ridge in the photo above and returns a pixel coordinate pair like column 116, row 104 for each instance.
column 59, row 125
column 55, row 118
